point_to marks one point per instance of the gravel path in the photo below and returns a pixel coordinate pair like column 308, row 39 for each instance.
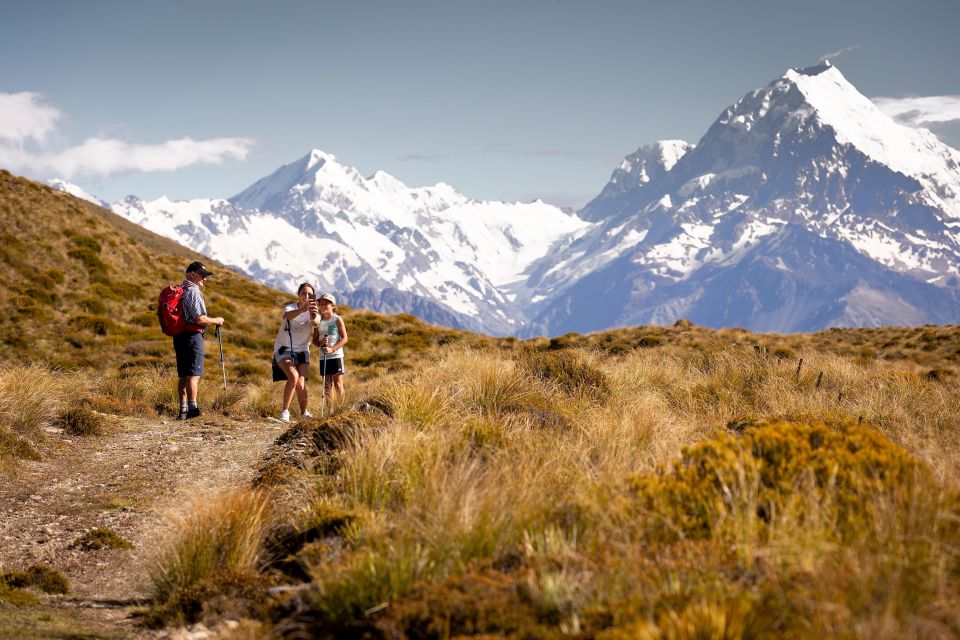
column 132, row 480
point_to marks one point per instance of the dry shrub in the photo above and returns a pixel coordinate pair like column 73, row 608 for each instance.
column 474, row 603
column 38, row 576
column 97, row 539
column 81, row 421
column 17, row 597
column 764, row 466
column 215, row 551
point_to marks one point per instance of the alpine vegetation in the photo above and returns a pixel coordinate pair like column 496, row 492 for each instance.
column 665, row 493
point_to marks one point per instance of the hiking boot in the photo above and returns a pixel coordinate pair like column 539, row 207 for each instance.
column 307, row 415
column 284, row 416
column 181, row 415
column 193, row 412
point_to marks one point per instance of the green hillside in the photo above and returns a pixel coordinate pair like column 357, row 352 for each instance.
column 81, row 285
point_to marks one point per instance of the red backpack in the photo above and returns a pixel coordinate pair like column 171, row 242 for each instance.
column 170, row 314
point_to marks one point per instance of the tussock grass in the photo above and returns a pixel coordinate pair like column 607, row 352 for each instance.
column 506, row 471
column 414, row 401
column 215, row 548
column 261, row 399
column 31, row 397
column 141, row 391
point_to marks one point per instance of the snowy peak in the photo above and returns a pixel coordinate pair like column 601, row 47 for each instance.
column 649, row 162
column 816, row 69
column 646, row 164
column 323, row 183
column 859, row 122
column 389, row 246
column 76, row 191
column 269, row 193
column 318, row 158
column 807, row 102
column 803, row 170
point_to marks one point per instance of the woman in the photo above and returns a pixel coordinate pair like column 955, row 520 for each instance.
column 330, row 335
column 291, row 349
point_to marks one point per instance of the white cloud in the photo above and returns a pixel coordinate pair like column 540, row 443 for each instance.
column 838, row 52
column 24, row 117
column 918, row 111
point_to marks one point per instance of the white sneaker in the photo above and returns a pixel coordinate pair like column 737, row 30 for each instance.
column 307, row 415
column 284, row 416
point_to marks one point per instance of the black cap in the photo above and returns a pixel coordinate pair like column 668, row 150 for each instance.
column 197, row 267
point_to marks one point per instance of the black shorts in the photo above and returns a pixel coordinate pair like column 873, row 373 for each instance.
column 189, row 349
column 299, row 357
column 331, row 366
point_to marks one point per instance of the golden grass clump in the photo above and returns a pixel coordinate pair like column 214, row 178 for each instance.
column 142, row 390
column 260, row 399
column 413, row 400
column 568, row 372
column 486, row 382
column 31, row 397
column 215, row 554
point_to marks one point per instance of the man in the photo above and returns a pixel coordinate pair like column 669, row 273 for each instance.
column 189, row 344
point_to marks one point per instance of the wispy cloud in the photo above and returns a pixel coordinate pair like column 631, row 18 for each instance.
column 27, row 122
column 919, row 111
column 421, row 157
column 839, row 52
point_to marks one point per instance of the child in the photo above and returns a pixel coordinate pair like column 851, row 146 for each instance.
column 330, row 335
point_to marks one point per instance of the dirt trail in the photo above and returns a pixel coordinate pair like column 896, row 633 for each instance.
column 130, row 480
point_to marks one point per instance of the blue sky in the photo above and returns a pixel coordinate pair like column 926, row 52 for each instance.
column 507, row 100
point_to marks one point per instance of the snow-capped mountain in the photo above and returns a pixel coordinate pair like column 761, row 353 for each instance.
column 802, row 207
column 385, row 245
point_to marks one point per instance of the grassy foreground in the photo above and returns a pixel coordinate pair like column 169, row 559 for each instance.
column 545, row 494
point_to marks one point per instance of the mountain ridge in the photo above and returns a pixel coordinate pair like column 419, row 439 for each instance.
column 807, row 149
column 768, row 161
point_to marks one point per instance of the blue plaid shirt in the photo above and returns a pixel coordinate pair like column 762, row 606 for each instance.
column 192, row 302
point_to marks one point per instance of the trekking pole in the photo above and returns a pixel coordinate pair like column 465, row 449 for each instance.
column 223, row 367
column 323, row 394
